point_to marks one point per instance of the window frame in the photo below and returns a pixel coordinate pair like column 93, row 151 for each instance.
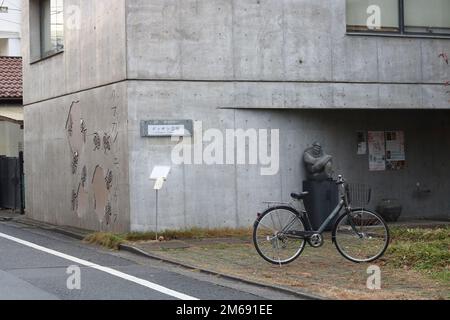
column 53, row 51
column 401, row 30
column 35, row 23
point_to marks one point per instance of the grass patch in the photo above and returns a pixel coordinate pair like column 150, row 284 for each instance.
column 113, row 241
column 108, row 240
column 425, row 250
column 418, row 234
column 193, row 233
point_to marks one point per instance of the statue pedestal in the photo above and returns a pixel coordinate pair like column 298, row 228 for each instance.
column 322, row 199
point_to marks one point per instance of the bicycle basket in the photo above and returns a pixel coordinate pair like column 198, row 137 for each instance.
column 358, row 195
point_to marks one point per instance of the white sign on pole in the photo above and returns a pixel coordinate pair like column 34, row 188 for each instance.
column 160, row 172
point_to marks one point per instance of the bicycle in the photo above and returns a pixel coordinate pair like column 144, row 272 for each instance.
column 280, row 233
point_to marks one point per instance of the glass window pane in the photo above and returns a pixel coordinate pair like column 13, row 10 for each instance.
column 430, row 16
column 58, row 11
column 357, row 15
column 52, row 26
column 46, row 44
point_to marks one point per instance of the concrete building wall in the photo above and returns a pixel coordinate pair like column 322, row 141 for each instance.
column 291, row 40
column 265, row 64
column 84, row 82
column 58, row 188
column 94, row 50
column 230, row 64
column 231, row 195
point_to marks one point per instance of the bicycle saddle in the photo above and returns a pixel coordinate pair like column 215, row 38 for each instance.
column 299, row 196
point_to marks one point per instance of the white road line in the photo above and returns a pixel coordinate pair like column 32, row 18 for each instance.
column 113, row 272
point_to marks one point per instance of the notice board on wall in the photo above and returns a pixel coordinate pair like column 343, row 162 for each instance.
column 395, row 150
column 386, row 150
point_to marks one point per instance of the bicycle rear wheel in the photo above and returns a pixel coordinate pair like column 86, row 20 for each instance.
column 361, row 236
column 270, row 238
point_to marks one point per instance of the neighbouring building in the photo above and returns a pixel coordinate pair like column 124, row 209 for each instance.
column 11, row 111
column 11, row 133
column 10, row 27
column 366, row 79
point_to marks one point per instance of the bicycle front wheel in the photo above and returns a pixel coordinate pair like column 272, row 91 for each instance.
column 361, row 236
column 273, row 235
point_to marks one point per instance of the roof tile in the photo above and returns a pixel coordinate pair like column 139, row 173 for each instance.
column 10, row 77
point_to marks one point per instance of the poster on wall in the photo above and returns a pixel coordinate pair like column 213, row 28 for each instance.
column 377, row 151
column 395, row 150
column 362, row 143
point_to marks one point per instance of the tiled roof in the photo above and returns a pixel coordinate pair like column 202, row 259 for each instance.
column 10, row 77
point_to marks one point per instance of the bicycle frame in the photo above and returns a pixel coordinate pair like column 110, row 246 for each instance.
column 310, row 231
column 330, row 218
column 343, row 203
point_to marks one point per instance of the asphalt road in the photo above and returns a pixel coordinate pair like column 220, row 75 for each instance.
column 34, row 265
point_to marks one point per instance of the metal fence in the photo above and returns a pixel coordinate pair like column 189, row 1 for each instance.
column 11, row 183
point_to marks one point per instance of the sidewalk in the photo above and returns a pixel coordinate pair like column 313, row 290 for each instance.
column 319, row 272
column 8, row 215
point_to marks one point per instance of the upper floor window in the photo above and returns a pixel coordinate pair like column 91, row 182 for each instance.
column 46, row 28
column 52, row 26
column 415, row 17
column 430, row 16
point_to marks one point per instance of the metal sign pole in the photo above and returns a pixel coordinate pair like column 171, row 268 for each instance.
column 156, row 215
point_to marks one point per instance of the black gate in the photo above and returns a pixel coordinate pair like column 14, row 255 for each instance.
column 11, row 183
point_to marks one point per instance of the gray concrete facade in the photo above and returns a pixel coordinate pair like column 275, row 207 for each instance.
column 51, row 177
column 265, row 64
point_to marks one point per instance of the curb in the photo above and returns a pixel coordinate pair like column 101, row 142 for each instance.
column 137, row 251
column 49, row 227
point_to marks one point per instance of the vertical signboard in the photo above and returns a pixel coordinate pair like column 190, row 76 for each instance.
column 377, row 151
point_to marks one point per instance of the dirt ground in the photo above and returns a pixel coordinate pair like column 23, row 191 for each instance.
column 323, row 272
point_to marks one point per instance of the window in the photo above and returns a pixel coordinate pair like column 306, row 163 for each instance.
column 359, row 11
column 46, row 28
column 414, row 17
column 51, row 26
column 430, row 16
